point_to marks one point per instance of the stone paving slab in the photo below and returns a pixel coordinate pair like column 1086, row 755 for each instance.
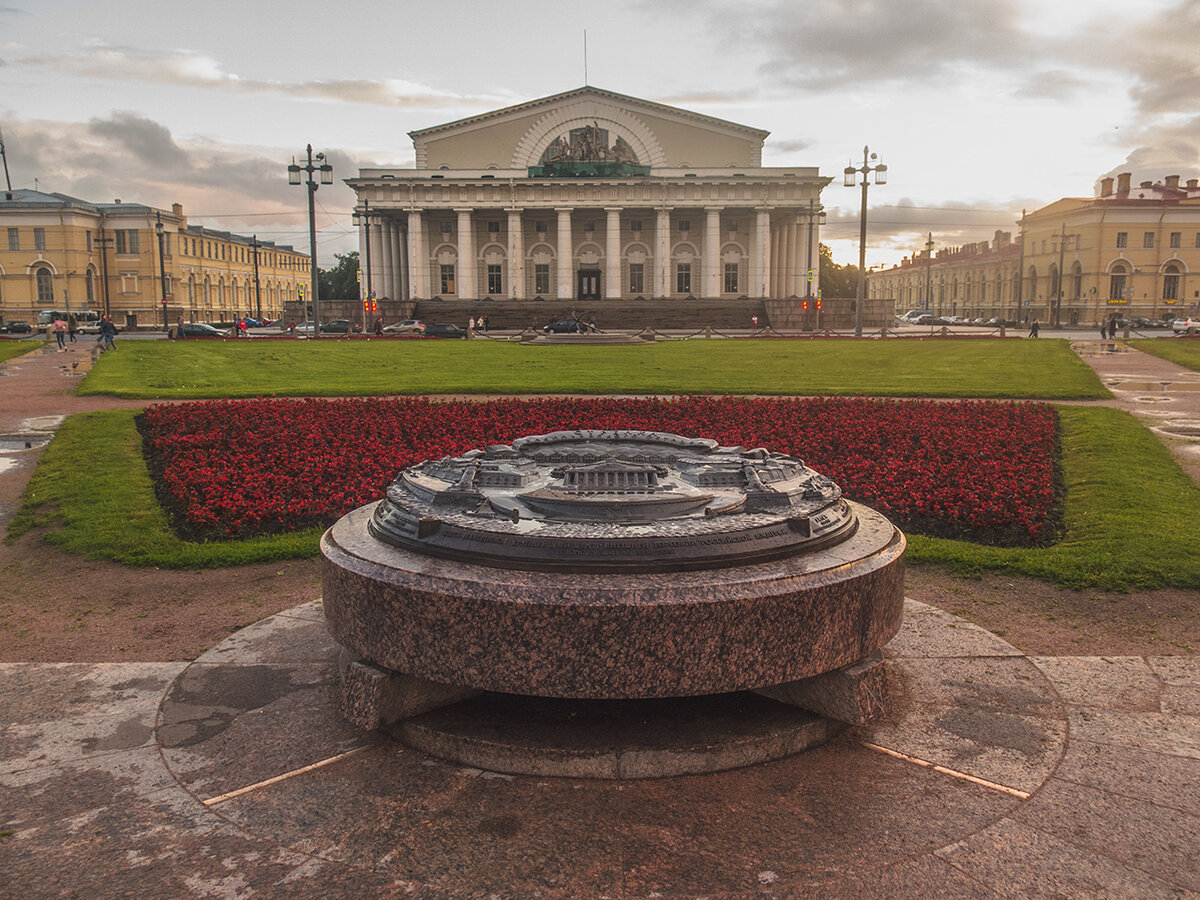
column 994, row 775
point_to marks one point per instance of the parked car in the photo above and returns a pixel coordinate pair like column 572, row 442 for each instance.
column 444, row 330
column 202, row 330
column 1143, row 322
column 17, row 327
column 1189, row 325
column 306, row 328
column 569, row 325
column 408, row 326
column 340, row 326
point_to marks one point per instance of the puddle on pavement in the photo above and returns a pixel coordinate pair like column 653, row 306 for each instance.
column 1159, row 386
column 14, row 443
column 1182, row 429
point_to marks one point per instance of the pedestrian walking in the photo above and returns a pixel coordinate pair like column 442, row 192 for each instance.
column 72, row 327
column 180, row 334
column 1033, row 328
column 60, row 333
column 485, row 324
column 754, row 323
column 243, row 330
column 108, row 333
column 1103, row 330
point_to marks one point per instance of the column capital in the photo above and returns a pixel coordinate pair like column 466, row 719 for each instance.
column 614, row 209
column 564, row 209
column 464, row 210
column 717, row 209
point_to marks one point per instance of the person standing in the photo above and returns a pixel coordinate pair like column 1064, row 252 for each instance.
column 60, row 333
column 180, row 334
column 379, row 326
column 72, row 327
column 1103, row 330
column 243, row 330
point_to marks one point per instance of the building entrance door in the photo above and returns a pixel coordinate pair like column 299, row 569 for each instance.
column 588, row 283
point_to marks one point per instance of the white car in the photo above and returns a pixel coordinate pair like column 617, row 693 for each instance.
column 305, row 328
column 408, row 326
column 1189, row 325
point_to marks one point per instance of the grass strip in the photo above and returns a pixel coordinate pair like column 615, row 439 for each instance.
column 1181, row 351
column 902, row 367
column 93, row 493
column 9, row 349
column 1130, row 510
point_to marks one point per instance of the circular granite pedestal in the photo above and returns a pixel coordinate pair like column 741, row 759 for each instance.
column 613, row 636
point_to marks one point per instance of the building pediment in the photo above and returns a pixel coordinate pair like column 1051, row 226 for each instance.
column 592, row 124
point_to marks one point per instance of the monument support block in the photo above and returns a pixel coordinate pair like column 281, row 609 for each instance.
column 854, row 694
column 373, row 697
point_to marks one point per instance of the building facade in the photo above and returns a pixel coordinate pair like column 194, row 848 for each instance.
column 59, row 252
column 1129, row 251
column 589, row 195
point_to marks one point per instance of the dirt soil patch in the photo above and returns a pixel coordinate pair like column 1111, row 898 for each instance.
column 57, row 607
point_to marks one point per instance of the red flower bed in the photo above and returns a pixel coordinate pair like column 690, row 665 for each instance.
column 979, row 470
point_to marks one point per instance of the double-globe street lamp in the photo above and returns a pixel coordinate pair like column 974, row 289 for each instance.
column 850, row 173
column 315, row 164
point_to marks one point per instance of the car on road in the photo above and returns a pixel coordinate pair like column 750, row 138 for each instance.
column 202, row 330
column 340, row 326
column 570, row 325
column 305, row 328
column 1190, row 325
column 444, row 330
column 408, row 326
column 17, row 327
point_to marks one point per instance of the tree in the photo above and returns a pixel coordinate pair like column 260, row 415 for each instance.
column 340, row 282
column 836, row 280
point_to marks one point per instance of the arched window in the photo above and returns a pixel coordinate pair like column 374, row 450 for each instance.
column 1116, row 282
column 1171, row 282
column 90, row 286
column 45, row 285
column 1077, row 279
column 1054, row 281
column 1032, row 283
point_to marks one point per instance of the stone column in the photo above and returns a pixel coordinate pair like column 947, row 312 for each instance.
column 612, row 254
column 516, row 255
column 465, row 286
column 377, row 258
column 662, row 254
column 566, row 255
column 400, row 252
column 418, row 269
column 712, row 254
column 388, row 286
column 761, row 273
column 362, row 259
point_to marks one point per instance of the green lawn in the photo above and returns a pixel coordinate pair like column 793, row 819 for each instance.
column 1184, row 351
column 895, row 368
column 1130, row 516
column 9, row 349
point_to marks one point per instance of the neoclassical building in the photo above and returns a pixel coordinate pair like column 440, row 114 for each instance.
column 1130, row 250
column 589, row 195
column 60, row 252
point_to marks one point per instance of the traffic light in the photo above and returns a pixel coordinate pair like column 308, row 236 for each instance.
column 818, row 305
column 804, row 305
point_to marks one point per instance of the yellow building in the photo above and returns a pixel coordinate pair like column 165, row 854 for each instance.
column 1129, row 251
column 61, row 253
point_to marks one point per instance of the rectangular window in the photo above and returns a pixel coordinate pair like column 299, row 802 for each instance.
column 683, row 278
column 129, row 281
column 589, row 227
column 493, row 227
column 1176, row 240
column 495, row 283
column 88, row 234
column 447, row 227
column 448, row 279
column 39, row 239
column 541, row 278
column 1122, row 238
column 731, row 281
column 636, row 225
column 637, row 278
column 1198, row 240
column 540, row 227
column 731, row 227
column 1148, row 240
column 14, row 239
column 685, row 225
column 166, row 245
column 127, row 241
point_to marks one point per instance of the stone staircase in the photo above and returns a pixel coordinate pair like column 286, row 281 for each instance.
column 608, row 314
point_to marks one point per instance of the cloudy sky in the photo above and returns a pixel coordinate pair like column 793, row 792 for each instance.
column 979, row 108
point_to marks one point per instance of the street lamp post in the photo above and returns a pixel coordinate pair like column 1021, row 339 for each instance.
column 326, row 171
column 850, row 172
column 103, row 240
column 814, row 216
column 929, row 272
column 367, row 218
column 1058, row 294
column 162, row 271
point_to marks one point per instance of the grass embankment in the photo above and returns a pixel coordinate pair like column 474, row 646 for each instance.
column 9, row 349
column 1183, row 351
column 886, row 368
column 1130, row 510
